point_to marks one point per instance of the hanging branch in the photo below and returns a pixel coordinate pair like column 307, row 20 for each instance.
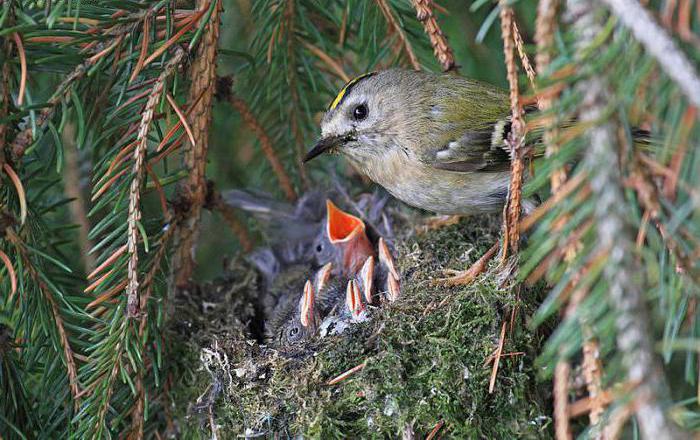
column 441, row 48
column 138, row 170
column 515, row 138
column 660, row 45
column 137, row 412
column 203, row 75
column 68, row 352
column 633, row 332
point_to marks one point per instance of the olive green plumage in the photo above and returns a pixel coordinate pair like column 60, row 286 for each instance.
column 435, row 141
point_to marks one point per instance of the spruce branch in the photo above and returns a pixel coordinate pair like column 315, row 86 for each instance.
column 138, row 171
column 203, row 74
column 68, row 352
column 660, row 45
column 515, row 138
column 441, row 48
column 620, row 272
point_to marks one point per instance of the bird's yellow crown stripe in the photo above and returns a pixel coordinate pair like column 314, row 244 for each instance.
column 339, row 98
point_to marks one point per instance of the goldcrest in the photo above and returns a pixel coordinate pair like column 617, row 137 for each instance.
column 434, row 141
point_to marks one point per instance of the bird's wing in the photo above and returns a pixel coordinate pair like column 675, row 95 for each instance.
column 482, row 150
column 469, row 122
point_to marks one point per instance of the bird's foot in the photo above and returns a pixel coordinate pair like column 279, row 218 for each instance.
column 465, row 277
column 437, row 222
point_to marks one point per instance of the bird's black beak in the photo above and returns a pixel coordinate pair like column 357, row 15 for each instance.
column 324, row 145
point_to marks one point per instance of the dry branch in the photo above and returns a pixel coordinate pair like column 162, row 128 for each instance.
column 194, row 188
column 441, row 48
column 68, row 353
column 562, row 429
column 516, row 136
column 138, row 171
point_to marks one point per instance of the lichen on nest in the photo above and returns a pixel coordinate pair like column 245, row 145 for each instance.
column 424, row 359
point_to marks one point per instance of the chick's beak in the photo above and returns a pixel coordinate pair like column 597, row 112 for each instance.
column 347, row 233
column 325, row 144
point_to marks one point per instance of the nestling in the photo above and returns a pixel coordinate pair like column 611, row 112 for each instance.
column 434, row 141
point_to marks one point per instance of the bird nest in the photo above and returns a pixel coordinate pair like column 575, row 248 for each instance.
column 422, row 365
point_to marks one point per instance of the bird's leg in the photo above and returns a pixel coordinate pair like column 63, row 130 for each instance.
column 464, row 277
column 393, row 279
column 437, row 222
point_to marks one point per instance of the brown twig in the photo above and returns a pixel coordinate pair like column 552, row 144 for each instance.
column 265, row 144
column 592, row 372
column 515, row 138
column 524, row 60
column 562, row 428
column 433, row 432
column 441, row 49
column 138, row 171
column 497, row 361
column 475, row 270
column 194, row 188
column 11, row 272
column 68, row 354
column 24, row 138
column 328, row 60
column 394, row 26
column 137, row 412
column 341, row 377
column 590, row 404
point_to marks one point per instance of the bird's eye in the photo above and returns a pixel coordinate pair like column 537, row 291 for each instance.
column 360, row 112
column 319, row 248
column 293, row 332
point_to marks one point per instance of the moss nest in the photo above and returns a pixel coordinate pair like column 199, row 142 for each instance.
column 425, row 357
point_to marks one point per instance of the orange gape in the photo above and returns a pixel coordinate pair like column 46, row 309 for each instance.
column 347, row 233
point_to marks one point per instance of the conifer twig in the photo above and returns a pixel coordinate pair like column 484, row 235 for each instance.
column 396, row 27
column 442, row 50
column 328, row 60
column 68, row 353
column 515, row 138
column 626, row 296
column 138, row 171
column 660, row 45
column 194, row 189
column 562, row 428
